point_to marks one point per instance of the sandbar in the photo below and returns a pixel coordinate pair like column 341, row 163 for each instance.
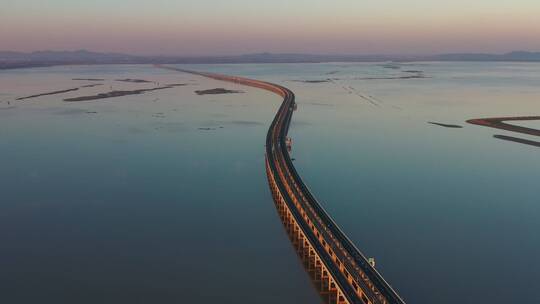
column 499, row 123
column 217, row 91
column 113, row 94
column 445, row 125
column 134, row 80
column 48, row 93
column 89, row 79
column 518, row 140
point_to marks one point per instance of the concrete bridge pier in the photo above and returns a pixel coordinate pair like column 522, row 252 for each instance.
column 311, row 261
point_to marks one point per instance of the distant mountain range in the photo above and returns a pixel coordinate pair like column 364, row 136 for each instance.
column 9, row 59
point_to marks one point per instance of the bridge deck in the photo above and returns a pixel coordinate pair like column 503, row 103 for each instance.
column 342, row 270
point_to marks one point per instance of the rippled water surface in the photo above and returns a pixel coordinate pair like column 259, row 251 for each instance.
column 161, row 197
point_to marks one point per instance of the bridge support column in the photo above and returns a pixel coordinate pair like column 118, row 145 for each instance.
column 318, row 273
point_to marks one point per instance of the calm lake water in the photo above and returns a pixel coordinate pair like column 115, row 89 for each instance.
column 162, row 197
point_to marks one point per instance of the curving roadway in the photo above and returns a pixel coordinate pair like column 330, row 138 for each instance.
column 355, row 277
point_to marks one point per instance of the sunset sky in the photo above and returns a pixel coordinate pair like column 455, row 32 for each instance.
column 213, row 27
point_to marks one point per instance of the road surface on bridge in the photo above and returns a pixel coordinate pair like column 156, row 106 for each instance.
column 340, row 272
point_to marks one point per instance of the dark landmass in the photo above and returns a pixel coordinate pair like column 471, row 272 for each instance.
column 498, row 123
column 89, row 79
column 113, row 94
column 48, row 93
column 413, row 71
column 217, row 91
column 313, row 81
column 13, row 60
column 92, row 85
column 91, row 112
column 445, row 125
column 206, row 129
column 134, row 80
column 391, row 66
column 518, row 140
column 393, row 77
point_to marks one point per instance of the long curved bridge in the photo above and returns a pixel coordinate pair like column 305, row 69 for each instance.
column 340, row 272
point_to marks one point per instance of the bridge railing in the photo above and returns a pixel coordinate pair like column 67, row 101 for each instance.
column 359, row 281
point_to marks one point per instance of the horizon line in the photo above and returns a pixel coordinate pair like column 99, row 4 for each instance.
column 265, row 53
